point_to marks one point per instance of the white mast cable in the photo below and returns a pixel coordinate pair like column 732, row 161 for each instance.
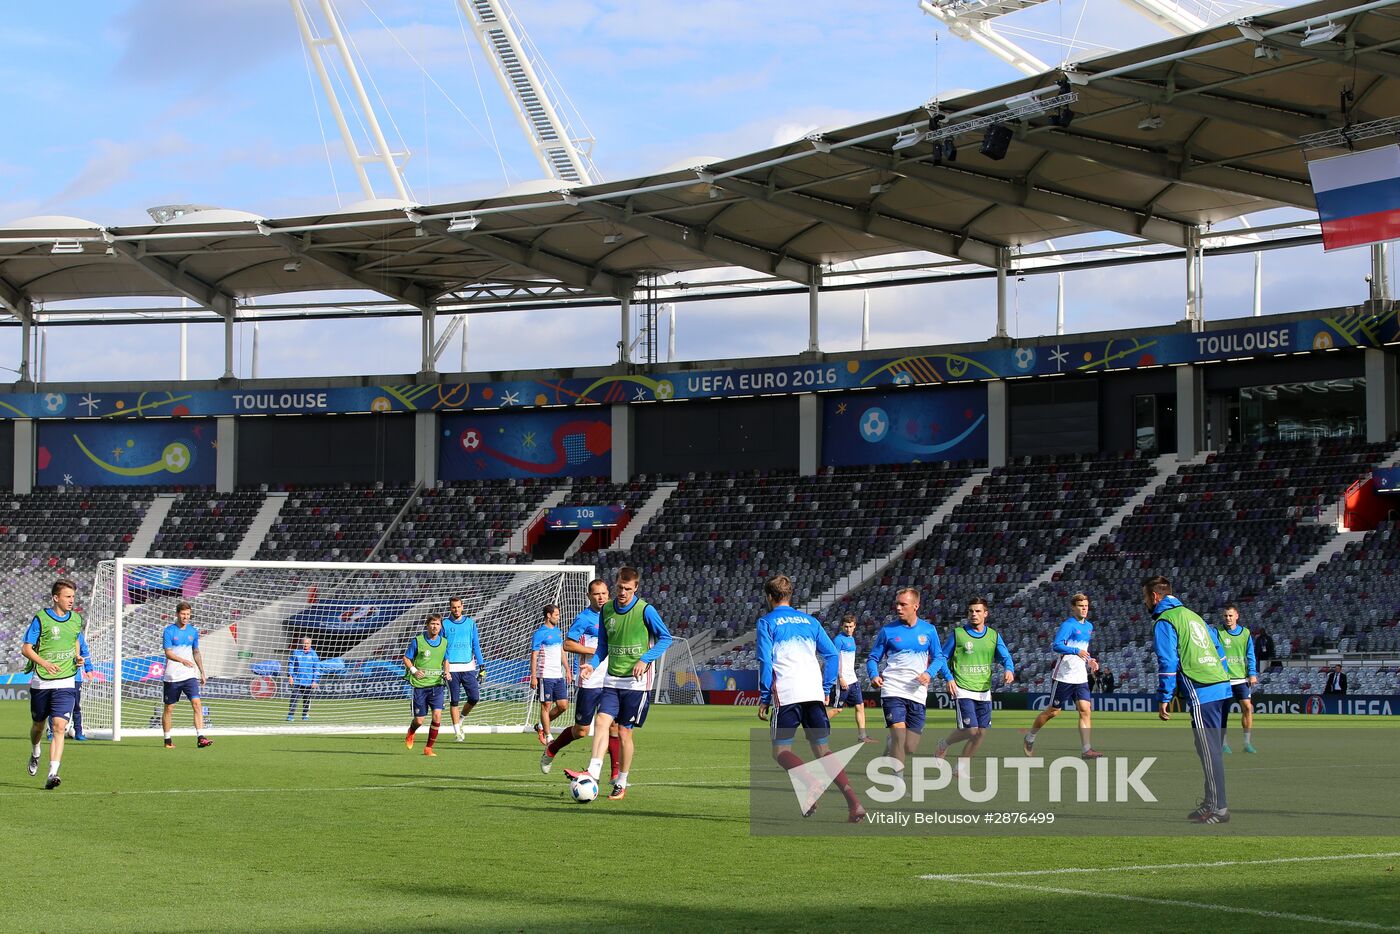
column 319, row 47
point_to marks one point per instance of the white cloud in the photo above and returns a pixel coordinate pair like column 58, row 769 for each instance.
column 112, row 163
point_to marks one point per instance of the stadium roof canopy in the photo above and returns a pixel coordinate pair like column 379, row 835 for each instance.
column 1163, row 140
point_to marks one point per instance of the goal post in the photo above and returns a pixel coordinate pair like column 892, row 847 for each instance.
column 360, row 618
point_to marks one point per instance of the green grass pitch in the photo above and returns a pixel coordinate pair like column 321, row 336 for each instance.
column 354, row 833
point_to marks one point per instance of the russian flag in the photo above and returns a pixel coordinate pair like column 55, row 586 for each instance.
column 1358, row 197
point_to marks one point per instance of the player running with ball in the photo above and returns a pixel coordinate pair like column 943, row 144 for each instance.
column 631, row 637
column 582, row 639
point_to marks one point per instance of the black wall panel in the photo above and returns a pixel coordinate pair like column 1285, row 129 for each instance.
column 742, row 434
column 1116, row 394
column 311, row 449
column 1055, row 416
column 1271, row 370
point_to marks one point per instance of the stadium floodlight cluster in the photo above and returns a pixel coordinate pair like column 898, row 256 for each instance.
column 359, row 617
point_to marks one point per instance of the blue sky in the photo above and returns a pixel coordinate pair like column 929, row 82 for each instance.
column 124, row 105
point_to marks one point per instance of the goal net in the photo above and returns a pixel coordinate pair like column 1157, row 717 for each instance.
column 360, row 618
column 676, row 679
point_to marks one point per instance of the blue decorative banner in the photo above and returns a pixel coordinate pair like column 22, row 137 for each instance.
column 729, row 679
column 552, row 443
column 1040, row 357
column 108, row 454
column 904, row 426
column 584, row 517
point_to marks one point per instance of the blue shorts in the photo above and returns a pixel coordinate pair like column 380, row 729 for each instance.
column 553, row 689
column 460, row 681
column 1068, row 695
column 46, row 704
column 1241, row 691
column 973, row 713
column 905, row 711
column 810, row 715
column 586, row 705
column 426, row 699
column 173, row 689
column 627, row 707
column 851, row 697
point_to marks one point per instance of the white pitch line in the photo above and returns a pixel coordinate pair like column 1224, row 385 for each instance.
column 1179, row 903
column 1089, row 870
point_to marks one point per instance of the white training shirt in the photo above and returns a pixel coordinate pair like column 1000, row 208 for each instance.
column 184, row 669
column 550, row 642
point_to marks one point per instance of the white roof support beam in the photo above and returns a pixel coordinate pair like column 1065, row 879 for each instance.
column 705, row 242
column 188, row 286
column 1371, row 58
column 13, row 300
column 1020, row 193
column 549, row 265
column 1168, row 169
column 1287, row 124
column 185, row 284
column 384, row 284
column 868, row 221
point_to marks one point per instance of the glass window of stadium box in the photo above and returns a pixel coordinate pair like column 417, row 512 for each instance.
column 1330, row 408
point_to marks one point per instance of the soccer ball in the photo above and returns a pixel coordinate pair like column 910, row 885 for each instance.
column 584, row 789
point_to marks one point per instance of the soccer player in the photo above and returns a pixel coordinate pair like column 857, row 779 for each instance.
column 971, row 649
column 51, row 650
column 631, row 637
column 184, row 673
column 1244, row 674
column 910, row 650
column 1186, row 645
column 582, row 639
column 303, row 677
column 549, row 677
column 1069, row 681
column 425, row 668
column 848, row 693
column 466, row 665
column 797, row 667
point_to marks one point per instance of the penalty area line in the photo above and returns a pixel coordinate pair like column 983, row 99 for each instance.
column 1173, row 903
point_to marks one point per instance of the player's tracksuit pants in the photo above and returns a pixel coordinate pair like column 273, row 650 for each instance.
column 300, row 692
column 1208, row 731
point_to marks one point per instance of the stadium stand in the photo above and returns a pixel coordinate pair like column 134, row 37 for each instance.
column 720, row 535
column 1231, row 526
column 1224, row 531
column 1349, row 605
column 1022, row 519
column 62, row 531
column 206, row 525
column 340, row 523
column 462, row 523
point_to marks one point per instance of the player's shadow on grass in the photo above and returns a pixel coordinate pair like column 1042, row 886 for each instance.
column 564, row 804
column 342, row 752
